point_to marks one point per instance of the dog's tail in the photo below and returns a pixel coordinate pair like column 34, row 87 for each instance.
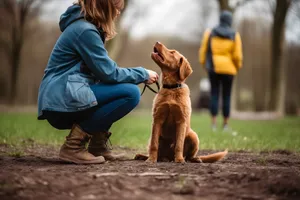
column 140, row 157
column 213, row 157
column 206, row 159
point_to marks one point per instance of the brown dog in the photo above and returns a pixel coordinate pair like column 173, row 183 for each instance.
column 172, row 137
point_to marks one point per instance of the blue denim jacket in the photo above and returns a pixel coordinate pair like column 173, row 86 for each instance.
column 65, row 86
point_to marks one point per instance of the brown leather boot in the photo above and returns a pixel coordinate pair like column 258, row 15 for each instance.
column 98, row 147
column 74, row 150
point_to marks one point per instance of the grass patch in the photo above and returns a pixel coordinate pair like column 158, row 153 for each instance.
column 135, row 129
column 16, row 154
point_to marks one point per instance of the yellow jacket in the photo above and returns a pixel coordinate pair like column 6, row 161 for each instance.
column 226, row 55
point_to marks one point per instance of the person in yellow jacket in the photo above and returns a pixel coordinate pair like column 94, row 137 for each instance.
column 221, row 55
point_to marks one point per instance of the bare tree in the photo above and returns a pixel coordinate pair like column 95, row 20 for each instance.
column 15, row 18
column 277, row 70
column 280, row 9
column 225, row 4
column 296, row 9
column 115, row 45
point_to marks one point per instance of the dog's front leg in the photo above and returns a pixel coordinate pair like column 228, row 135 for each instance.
column 180, row 136
column 153, row 147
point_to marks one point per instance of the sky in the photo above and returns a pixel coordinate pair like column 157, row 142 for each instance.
column 181, row 18
column 55, row 8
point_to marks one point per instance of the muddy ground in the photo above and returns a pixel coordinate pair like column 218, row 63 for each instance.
column 36, row 173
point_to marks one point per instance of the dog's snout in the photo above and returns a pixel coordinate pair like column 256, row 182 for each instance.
column 158, row 43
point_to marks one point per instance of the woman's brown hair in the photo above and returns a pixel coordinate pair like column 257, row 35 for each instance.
column 102, row 13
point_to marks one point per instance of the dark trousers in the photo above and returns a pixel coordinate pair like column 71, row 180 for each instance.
column 218, row 81
column 114, row 102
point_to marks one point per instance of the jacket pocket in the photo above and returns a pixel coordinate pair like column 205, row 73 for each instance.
column 78, row 92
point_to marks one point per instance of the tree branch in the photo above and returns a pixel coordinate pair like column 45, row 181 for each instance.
column 241, row 3
column 224, row 4
column 272, row 4
column 295, row 8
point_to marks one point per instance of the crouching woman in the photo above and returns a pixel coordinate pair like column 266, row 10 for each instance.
column 83, row 89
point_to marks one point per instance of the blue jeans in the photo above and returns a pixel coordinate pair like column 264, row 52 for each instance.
column 114, row 102
column 217, row 81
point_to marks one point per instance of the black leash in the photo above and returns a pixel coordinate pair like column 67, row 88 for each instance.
column 150, row 88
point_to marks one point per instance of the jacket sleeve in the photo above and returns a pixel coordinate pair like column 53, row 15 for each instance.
column 91, row 49
column 237, row 52
column 203, row 48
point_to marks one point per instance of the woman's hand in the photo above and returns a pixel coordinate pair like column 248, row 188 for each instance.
column 153, row 77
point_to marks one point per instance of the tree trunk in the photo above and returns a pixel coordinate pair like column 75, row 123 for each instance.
column 224, row 5
column 277, row 71
column 115, row 45
column 14, row 78
column 17, row 44
column 19, row 12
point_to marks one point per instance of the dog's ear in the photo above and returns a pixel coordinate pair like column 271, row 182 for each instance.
column 185, row 69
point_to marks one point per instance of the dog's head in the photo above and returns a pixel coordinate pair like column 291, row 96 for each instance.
column 174, row 66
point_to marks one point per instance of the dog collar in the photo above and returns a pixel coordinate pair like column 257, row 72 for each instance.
column 174, row 86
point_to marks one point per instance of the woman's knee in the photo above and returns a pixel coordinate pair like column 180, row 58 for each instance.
column 132, row 92
column 59, row 125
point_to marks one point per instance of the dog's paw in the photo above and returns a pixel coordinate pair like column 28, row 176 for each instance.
column 151, row 160
column 195, row 160
column 180, row 160
column 140, row 157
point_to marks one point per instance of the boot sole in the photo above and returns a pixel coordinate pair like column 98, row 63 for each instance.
column 117, row 157
column 84, row 162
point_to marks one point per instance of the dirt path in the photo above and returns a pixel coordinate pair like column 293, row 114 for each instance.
column 38, row 174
